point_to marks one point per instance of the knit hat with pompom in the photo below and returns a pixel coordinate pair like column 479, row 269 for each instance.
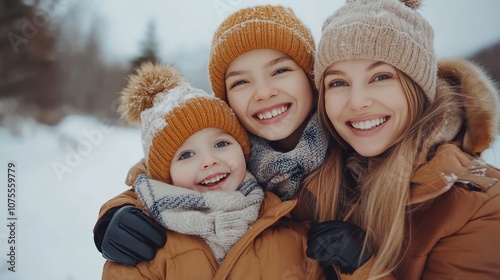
column 259, row 27
column 170, row 111
column 391, row 31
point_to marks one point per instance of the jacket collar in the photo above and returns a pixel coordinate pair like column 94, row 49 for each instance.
column 272, row 209
column 449, row 167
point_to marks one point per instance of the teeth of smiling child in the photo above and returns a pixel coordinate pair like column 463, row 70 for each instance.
column 273, row 113
column 214, row 179
column 368, row 124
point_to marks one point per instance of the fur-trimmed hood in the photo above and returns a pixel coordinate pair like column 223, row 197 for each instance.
column 468, row 127
column 472, row 109
column 479, row 100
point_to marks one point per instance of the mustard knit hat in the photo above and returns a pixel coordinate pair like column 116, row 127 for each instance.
column 170, row 111
column 259, row 27
column 386, row 30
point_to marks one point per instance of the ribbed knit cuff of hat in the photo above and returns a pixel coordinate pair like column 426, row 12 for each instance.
column 260, row 27
column 382, row 30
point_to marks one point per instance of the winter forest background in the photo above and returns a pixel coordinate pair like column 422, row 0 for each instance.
column 62, row 64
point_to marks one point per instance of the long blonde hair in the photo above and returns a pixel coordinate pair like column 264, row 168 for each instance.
column 378, row 203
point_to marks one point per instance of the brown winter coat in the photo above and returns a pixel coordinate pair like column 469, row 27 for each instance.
column 273, row 248
column 455, row 234
column 456, row 197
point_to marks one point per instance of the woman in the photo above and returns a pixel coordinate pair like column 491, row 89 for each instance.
column 404, row 180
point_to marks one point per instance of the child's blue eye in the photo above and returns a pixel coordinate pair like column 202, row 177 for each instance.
column 221, row 144
column 382, row 77
column 186, row 155
column 237, row 83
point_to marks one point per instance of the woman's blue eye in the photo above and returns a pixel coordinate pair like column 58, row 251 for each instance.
column 382, row 77
column 221, row 144
column 186, row 155
column 337, row 84
column 281, row 70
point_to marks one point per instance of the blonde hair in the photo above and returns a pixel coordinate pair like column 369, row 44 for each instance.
column 378, row 203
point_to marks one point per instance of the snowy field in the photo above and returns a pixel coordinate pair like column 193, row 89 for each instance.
column 63, row 175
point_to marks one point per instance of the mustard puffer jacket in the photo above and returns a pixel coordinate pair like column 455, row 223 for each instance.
column 273, row 248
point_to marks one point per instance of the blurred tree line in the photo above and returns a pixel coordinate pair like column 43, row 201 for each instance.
column 43, row 74
column 49, row 68
column 27, row 65
column 489, row 58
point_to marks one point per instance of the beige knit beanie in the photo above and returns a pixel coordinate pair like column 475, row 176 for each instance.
column 259, row 27
column 170, row 111
column 386, row 30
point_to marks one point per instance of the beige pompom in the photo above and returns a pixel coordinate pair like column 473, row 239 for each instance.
column 142, row 87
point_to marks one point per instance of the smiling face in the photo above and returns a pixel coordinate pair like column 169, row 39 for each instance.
column 211, row 159
column 366, row 104
column 270, row 94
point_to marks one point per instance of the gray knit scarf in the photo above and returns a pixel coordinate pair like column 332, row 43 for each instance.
column 220, row 218
column 281, row 173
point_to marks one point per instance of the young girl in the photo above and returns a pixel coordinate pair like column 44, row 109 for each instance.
column 221, row 224
column 404, row 180
column 261, row 63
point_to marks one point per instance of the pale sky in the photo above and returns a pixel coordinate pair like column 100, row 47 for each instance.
column 461, row 26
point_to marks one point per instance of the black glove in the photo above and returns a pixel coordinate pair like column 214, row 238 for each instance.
column 337, row 243
column 127, row 235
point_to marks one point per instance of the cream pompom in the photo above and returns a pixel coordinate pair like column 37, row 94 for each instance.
column 148, row 80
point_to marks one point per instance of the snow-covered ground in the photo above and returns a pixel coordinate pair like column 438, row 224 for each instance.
column 63, row 175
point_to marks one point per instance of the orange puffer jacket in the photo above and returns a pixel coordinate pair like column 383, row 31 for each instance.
column 273, row 248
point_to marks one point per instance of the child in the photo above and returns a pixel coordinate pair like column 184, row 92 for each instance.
column 406, row 182
column 199, row 189
column 261, row 63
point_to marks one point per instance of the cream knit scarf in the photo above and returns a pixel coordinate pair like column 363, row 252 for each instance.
column 281, row 173
column 220, row 218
